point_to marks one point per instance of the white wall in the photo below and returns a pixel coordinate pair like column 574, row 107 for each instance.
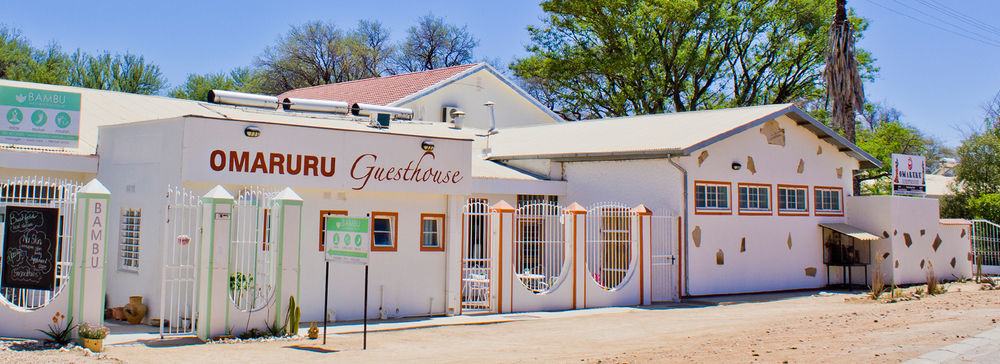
column 768, row 263
column 469, row 94
column 651, row 182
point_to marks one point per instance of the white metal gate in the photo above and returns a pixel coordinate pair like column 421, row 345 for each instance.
column 252, row 259
column 610, row 244
column 181, row 254
column 663, row 257
column 986, row 246
column 477, row 217
column 42, row 192
column 539, row 246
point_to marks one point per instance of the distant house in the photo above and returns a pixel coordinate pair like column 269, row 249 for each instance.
column 429, row 93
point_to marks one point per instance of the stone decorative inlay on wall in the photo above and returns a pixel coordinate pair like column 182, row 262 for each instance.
column 909, row 241
column 923, row 232
column 963, row 234
column 802, row 166
column 702, row 157
column 773, row 132
column 885, row 234
column 819, row 149
column 789, row 241
column 743, row 245
column 719, row 257
column 953, row 262
column 811, row 271
column 750, row 166
column 897, row 264
column 840, row 172
column 696, row 236
column 895, row 232
column 937, row 242
column 970, row 256
column 922, row 261
column 885, row 256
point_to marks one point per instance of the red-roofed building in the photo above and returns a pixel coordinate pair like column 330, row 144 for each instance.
column 428, row 93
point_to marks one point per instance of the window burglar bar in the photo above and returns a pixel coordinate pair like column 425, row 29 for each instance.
column 609, row 244
column 477, row 217
column 539, row 246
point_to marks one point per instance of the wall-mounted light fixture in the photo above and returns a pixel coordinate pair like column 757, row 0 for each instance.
column 251, row 131
column 737, row 166
column 427, row 145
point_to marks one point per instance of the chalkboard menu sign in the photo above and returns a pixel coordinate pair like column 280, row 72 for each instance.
column 30, row 235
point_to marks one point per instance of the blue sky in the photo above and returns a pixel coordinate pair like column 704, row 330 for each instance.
column 939, row 80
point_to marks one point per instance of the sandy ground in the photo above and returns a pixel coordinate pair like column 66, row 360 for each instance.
column 795, row 327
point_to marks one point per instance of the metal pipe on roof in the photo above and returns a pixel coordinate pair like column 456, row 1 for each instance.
column 359, row 109
column 327, row 106
column 242, row 99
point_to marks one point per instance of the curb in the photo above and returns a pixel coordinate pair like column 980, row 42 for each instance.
column 988, row 338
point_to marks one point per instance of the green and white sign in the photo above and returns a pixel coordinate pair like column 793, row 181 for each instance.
column 347, row 240
column 39, row 117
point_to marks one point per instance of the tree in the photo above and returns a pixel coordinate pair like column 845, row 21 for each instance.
column 432, row 44
column 624, row 57
column 119, row 72
column 197, row 86
column 977, row 175
column 373, row 48
column 881, row 142
column 21, row 62
column 844, row 89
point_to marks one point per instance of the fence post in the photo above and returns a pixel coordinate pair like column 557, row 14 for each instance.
column 288, row 230
column 505, row 248
column 645, row 228
column 213, row 267
column 90, row 257
column 576, row 239
column 453, row 241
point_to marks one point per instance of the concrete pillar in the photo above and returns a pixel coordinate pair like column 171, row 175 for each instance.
column 213, row 288
column 576, row 239
column 453, row 255
column 644, row 235
column 287, row 232
column 503, row 253
column 86, row 302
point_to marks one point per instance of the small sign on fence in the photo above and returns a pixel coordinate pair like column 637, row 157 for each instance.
column 347, row 240
column 29, row 247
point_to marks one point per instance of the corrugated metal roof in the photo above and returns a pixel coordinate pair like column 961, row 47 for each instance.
column 652, row 135
column 852, row 231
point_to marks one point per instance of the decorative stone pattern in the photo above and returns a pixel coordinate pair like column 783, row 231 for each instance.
column 922, row 262
column 696, row 236
column 897, row 264
column 811, row 271
column 885, row 234
column 885, row 256
column 819, row 149
column 953, row 262
column 702, row 157
column 909, row 241
column 773, row 132
column 743, row 245
column 750, row 166
column 937, row 242
column 789, row 241
column 719, row 258
column 840, row 172
column 923, row 232
column 802, row 166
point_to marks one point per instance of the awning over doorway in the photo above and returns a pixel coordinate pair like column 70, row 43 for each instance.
column 851, row 231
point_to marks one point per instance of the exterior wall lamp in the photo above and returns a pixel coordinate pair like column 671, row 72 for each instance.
column 251, row 131
column 427, row 145
column 737, row 166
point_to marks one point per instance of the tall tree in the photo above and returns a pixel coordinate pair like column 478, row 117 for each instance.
column 196, row 87
column 623, row 57
column 116, row 72
column 432, row 44
column 373, row 48
column 844, row 89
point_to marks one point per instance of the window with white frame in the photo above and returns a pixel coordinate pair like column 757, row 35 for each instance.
column 754, row 198
column 827, row 200
column 384, row 231
column 711, row 197
column 431, row 232
column 128, row 240
column 792, row 200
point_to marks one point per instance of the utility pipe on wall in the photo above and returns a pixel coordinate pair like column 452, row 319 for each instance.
column 684, row 259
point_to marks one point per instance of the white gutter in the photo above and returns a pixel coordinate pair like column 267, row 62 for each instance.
column 687, row 246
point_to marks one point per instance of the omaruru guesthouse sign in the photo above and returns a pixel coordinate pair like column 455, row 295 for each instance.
column 908, row 175
column 39, row 117
column 326, row 159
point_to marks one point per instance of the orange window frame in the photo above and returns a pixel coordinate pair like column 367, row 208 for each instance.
column 771, row 199
column 840, row 194
column 394, row 216
column 709, row 210
column 791, row 213
column 322, row 225
column 441, row 233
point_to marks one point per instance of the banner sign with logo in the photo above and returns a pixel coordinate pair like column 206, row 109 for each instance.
column 347, row 240
column 908, row 175
column 29, row 247
column 39, row 117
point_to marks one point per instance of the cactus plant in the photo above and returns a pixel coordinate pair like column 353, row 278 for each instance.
column 313, row 330
column 294, row 313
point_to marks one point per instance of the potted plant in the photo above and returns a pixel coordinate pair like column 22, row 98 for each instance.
column 93, row 336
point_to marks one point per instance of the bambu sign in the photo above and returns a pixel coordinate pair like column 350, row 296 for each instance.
column 39, row 117
column 29, row 247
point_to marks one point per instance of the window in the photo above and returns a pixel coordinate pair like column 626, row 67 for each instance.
column 128, row 240
column 384, row 226
column 792, row 200
column 432, row 232
column 711, row 198
column 323, row 214
column 828, row 201
column 754, row 199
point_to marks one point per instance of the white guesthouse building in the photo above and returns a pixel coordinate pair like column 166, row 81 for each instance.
column 218, row 210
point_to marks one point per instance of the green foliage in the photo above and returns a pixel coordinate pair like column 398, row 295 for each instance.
column 275, row 330
column 615, row 57
column 986, row 206
column 979, row 171
column 59, row 334
column 881, row 142
column 956, row 205
column 197, row 86
column 240, row 281
column 293, row 316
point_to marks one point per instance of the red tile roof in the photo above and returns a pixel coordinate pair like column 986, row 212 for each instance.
column 379, row 90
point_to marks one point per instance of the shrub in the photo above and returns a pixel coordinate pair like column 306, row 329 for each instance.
column 87, row 331
column 57, row 333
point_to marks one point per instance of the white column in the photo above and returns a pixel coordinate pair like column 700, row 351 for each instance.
column 453, row 255
column 213, row 288
column 90, row 254
column 288, row 229
column 576, row 239
column 502, row 269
